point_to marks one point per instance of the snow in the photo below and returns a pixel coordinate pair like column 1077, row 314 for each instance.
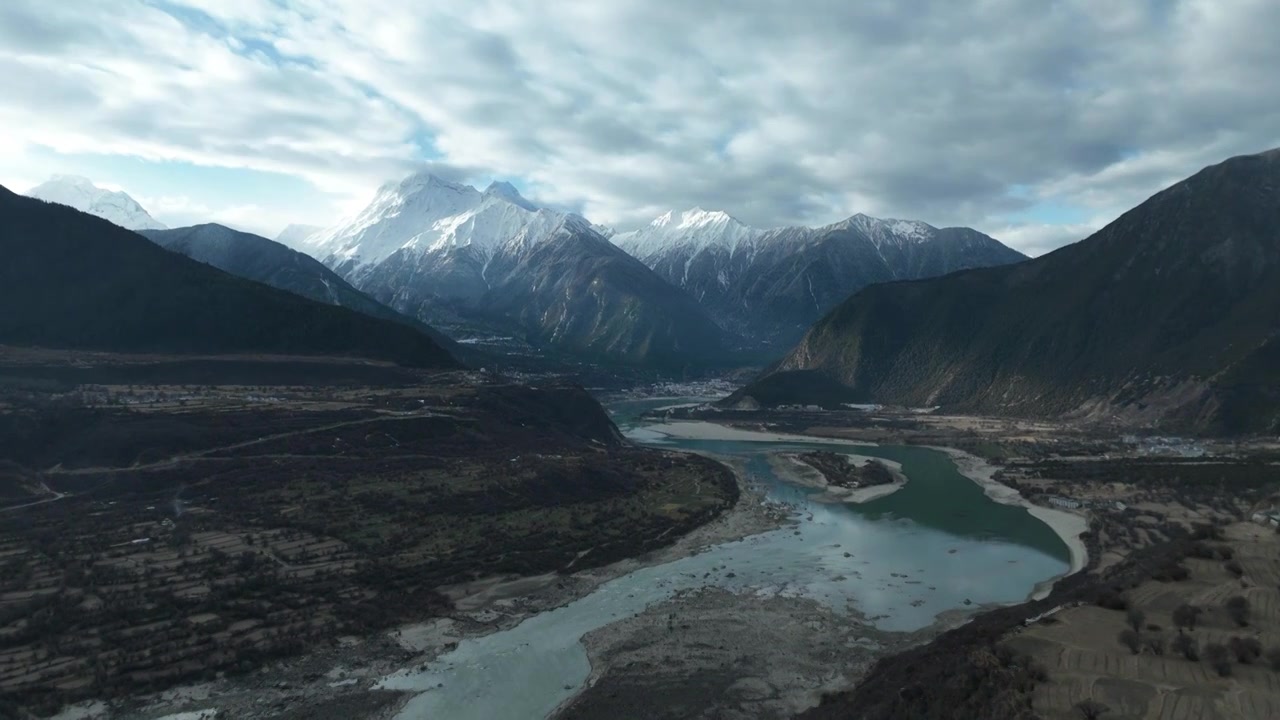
column 81, row 194
column 428, row 214
column 888, row 230
column 296, row 235
column 690, row 232
column 684, row 235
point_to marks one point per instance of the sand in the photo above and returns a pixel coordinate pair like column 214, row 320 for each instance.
column 798, row 472
column 691, row 430
column 1068, row 525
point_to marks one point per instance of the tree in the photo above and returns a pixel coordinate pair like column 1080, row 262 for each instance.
column 1187, row 646
column 1238, row 609
column 1245, row 649
column 1091, row 709
column 1155, row 644
column 1219, row 658
column 1185, row 616
column 1273, row 658
column 1135, row 619
column 1131, row 640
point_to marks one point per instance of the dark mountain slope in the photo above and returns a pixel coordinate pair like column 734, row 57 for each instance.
column 72, row 280
column 1170, row 315
column 575, row 291
column 256, row 258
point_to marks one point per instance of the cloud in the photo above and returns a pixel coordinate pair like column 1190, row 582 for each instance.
column 795, row 113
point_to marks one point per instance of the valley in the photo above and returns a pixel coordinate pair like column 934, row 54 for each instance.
column 202, row 526
column 464, row 455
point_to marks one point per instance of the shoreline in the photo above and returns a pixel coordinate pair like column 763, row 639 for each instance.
column 1067, row 525
column 793, row 470
column 355, row 668
column 708, row 430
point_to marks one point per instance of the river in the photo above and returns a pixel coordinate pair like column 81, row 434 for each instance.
column 938, row 544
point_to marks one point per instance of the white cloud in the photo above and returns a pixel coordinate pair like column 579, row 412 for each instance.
column 801, row 112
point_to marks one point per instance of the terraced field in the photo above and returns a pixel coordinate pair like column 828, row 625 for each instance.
column 1085, row 659
column 202, row 530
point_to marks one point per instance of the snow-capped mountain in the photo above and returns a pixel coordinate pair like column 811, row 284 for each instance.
column 81, row 194
column 295, row 235
column 772, row 284
column 460, row 258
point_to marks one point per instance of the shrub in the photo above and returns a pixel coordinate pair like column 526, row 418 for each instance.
column 1245, row 649
column 1187, row 646
column 1238, row 608
column 1113, row 599
column 1234, row 567
column 1273, row 658
column 1185, row 616
column 1219, row 658
column 1131, row 640
column 1156, row 644
column 1135, row 619
column 1091, row 709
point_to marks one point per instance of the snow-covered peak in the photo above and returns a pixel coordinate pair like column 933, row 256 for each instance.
column 425, row 213
column 692, row 230
column 295, row 235
column 81, row 194
column 888, row 229
column 508, row 192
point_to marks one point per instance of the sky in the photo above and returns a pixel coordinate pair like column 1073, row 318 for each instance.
column 1035, row 122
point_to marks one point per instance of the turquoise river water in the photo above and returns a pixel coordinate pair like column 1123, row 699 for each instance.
column 937, row 544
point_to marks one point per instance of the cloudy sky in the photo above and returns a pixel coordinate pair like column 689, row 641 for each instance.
column 1036, row 122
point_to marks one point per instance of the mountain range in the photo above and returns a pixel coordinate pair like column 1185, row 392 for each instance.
column 256, row 258
column 771, row 285
column 1166, row 317
column 82, row 282
column 81, row 194
column 461, row 259
column 491, row 263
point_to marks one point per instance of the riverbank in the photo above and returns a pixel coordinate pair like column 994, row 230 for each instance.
column 798, row 472
column 346, row 679
column 1066, row 524
column 675, row 657
column 700, row 430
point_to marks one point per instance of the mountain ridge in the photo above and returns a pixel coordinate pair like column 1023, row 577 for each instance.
column 1166, row 317
column 84, row 282
column 771, row 284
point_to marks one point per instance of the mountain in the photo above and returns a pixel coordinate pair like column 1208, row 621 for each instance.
column 72, row 280
column 454, row 256
column 81, row 194
column 296, row 235
column 771, row 285
column 1167, row 317
column 256, row 258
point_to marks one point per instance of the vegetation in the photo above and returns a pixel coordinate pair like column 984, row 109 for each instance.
column 1185, row 616
column 837, row 469
column 1187, row 646
column 1238, row 609
column 1219, row 658
column 1091, row 709
column 154, row 542
column 1132, row 640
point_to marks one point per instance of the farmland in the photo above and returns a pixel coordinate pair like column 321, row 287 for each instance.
column 156, row 534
